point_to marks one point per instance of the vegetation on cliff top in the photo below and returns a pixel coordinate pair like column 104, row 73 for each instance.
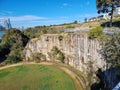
column 96, row 32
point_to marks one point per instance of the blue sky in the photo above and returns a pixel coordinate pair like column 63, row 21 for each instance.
column 29, row 13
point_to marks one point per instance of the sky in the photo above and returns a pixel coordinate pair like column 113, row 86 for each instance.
column 30, row 13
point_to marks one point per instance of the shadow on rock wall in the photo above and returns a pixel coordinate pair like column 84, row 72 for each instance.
column 107, row 79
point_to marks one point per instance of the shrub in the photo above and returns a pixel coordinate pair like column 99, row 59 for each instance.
column 12, row 59
column 57, row 54
column 55, row 50
column 61, row 56
column 60, row 38
column 111, row 50
column 14, row 56
column 12, row 45
column 95, row 32
column 37, row 57
column 70, row 26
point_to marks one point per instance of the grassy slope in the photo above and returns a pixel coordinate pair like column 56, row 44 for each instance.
column 35, row 77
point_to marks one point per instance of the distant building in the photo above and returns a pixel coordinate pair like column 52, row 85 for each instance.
column 2, row 28
column 7, row 24
column 106, row 16
column 94, row 19
column 10, row 26
column 116, row 12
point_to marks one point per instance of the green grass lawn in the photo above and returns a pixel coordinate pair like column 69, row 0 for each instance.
column 35, row 77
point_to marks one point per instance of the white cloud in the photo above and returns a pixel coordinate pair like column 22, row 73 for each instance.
column 23, row 18
column 4, row 12
column 65, row 4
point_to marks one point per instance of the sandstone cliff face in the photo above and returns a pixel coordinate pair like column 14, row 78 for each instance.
column 80, row 51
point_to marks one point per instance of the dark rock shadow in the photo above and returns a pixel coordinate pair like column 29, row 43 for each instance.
column 108, row 79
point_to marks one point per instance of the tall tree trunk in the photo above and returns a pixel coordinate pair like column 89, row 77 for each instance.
column 111, row 16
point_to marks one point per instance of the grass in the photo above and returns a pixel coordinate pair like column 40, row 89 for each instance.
column 35, row 77
column 77, row 72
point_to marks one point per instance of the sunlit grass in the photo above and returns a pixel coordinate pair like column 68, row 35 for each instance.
column 35, row 77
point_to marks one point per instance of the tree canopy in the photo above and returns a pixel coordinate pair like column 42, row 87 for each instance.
column 13, row 42
column 111, row 50
column 107, row 6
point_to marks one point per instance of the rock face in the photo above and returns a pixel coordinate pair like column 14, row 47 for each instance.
column 80, row 51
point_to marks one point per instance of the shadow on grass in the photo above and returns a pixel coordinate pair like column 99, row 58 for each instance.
column 114, row 24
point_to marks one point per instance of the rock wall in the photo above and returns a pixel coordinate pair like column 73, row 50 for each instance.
column 79, row 50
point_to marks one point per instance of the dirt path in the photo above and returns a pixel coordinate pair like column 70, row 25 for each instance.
column 74, row 77
column 23, row 63
column 68, row 71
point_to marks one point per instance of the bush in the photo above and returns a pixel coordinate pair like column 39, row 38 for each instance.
column 55, row 50
column 12, row 45
column 14, row 56
column 57, row 54
column 60, row 38
column 111, row 50
column 61, row 57
column 70, row 26
column 95, row 32
column 12, row 59
column 37, row 57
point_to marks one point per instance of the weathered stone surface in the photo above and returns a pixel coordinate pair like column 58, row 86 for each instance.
column 79, row 50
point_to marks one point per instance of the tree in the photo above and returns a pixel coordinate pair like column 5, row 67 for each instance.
column 111, row 50
column 13, row 42
column 75, row 22
column 85, row 20
column 107, row 6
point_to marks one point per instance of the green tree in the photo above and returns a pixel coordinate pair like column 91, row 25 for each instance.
column 75, row 22
column 13, row 42
column 85, row 20
column 111, row 50
column 14, row 56
column 105, row 6
column 13, row 37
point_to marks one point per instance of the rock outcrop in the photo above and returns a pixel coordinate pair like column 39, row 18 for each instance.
column 80, row 51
